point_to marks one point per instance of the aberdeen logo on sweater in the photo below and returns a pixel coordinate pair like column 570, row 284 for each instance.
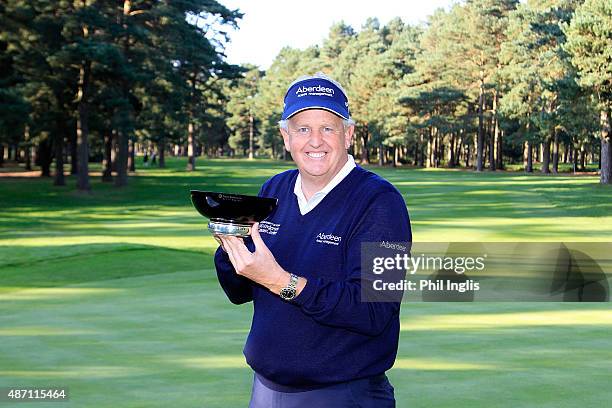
column 330, row 239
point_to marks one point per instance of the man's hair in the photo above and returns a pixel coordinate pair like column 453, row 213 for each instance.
column 284, row 124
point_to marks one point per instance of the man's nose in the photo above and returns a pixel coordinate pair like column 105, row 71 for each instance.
column 316, row 138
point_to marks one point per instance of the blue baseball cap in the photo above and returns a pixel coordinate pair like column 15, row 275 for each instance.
column 315, row 92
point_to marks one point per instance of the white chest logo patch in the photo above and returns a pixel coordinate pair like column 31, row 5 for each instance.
column 330, row 239
column 267, row 227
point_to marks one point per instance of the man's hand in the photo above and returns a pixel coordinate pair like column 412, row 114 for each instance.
column 259, row 266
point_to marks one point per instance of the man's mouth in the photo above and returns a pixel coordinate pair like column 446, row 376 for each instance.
column 316, row 155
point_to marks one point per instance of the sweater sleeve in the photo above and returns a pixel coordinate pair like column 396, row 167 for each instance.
column 238, row 289
column 338, row 302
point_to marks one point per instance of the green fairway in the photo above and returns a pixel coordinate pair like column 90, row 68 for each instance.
column 113, row 294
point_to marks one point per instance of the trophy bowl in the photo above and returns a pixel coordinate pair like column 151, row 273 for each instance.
column 232, row 214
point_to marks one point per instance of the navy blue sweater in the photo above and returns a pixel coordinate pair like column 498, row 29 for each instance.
column 326, row 334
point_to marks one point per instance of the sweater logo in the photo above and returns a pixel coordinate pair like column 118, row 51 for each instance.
column 330, row 239
column 267, row 227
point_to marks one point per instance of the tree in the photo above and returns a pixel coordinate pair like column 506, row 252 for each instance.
column 242, row 111
column 589, row 42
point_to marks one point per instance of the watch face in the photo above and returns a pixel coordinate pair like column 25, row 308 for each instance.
column 287, row 293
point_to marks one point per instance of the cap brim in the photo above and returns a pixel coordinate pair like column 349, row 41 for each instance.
column 306, row 103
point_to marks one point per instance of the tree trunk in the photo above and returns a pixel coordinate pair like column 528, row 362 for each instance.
column 480, row 142
column 191, row 165
column 381, row 157
column 430, row 149
column 131, row 156
column 161, row 148
column 453, row 142
column 365, row 155
column 114, row 149
column 107, row 161
column 58, row 144
column 74, row 155
column 122, row 158
column 546, row 156
column 251, row 137
column 44, row 155
column 423, row 151
column 439, row 151
column 495, row 139
column 529, row 157
column 540, row 153
column 606, row 148
column 498, row 134
column 28, row 148
column 555, row 155
column 1, row 154
column 396, row 152
column 124, row 131
column 492, row 144
column 82, row 126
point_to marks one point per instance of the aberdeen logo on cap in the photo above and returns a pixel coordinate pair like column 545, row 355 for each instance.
column 315, row 93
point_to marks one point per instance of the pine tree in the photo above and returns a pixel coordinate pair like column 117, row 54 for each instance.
column 589, row 42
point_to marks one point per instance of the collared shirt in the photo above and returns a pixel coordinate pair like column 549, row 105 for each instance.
column 309, row 205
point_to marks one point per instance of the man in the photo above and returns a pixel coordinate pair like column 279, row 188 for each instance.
column 313, row 341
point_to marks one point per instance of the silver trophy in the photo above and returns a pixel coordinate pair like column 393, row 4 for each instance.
column 232, row 214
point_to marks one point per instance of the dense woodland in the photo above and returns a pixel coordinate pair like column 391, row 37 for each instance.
column 483, row 84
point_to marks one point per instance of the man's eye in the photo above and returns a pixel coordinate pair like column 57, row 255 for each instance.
column 303, row 130
column 328, row 130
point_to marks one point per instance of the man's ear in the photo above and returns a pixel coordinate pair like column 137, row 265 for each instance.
column 348, row 136
column 285, row 136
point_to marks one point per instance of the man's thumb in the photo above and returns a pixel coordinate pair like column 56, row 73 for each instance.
column 256, row 237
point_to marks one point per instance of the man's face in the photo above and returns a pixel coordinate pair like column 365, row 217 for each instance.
column 318, row 143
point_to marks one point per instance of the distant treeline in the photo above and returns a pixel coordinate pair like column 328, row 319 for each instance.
column 483, row 84
column 88, row 79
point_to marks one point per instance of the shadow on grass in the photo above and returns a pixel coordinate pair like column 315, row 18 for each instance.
column 74, row 264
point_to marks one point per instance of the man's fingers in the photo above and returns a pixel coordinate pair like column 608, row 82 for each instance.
column 229, row 248
column 238, row 251
column 259, row 244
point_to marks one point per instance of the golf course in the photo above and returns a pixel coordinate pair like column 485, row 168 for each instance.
column 113, row 295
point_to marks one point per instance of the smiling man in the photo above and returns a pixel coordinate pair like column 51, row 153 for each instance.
column 313, row 341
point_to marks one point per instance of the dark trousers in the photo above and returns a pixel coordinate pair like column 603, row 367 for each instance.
column 373, row 392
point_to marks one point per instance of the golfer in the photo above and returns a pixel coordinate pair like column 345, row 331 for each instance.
column 313, row 341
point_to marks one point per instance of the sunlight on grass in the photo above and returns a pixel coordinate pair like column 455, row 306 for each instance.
column 438, row 365
column 205, row 241
column 217, row 361
column 460, row 322
column 56, row 293
column 44, row 331
column 77, row 372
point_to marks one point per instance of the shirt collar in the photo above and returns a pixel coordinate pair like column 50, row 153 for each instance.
column 344, row 171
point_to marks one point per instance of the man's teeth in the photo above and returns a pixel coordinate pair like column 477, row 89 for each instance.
column 316, row 155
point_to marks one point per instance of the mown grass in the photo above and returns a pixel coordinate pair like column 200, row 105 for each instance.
column 113, row 293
